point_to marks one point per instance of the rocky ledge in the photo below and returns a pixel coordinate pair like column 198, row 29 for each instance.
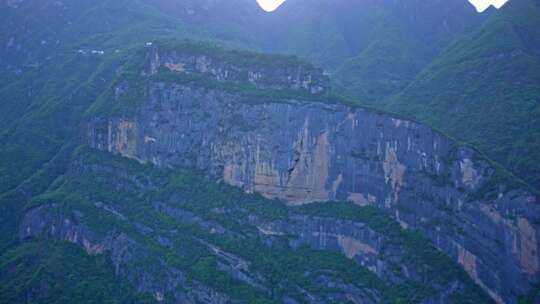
column 303, row 151
column 262, row 71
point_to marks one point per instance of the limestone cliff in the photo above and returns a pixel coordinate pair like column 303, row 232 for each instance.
column 262, row 71
column 127, row 255
column 176, row 243
column 301, row 150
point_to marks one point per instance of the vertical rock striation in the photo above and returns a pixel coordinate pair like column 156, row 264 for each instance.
column 304, row 152
column 128, row 256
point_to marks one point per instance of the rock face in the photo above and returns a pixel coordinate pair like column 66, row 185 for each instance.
column 163, row 281
column 303, row 152
column 147, row 253
column 262, row 71
column 49, row 221
column 357, row 241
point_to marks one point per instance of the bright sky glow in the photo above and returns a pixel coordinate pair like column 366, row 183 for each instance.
column 270, row 5
column 481, row 5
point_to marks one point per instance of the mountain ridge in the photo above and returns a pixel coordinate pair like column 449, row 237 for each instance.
column 201, row 120
column 506, row 89
column 301, row 152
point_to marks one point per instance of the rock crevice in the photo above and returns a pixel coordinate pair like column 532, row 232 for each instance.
column 305, row 152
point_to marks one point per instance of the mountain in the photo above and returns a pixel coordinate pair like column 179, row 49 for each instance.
column 136, row 210
column 191, row 121
column 484, row 90
column 374, row 48
column 329, row 32
column 59, row 56
column 58, row 272
column 137, row 166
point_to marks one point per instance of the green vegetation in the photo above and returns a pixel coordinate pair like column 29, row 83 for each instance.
column 484, row 90
column 480, row 86
column 437, row 267
column 334, row 35
column 390, row 48
column 532, row 297
column 238, row 58
column 133, row 190
column 138, row 85
column 48, row 86
column 59, row 272
column 383, row 68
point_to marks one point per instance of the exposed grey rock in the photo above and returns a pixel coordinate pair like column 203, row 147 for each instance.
column 190, row 218
column 111, row 210
column 257, row 70
column 130, row 260
column 303, row 152
column 352, row 293
column 235, row 266
column 357, row 241
column 49, row 221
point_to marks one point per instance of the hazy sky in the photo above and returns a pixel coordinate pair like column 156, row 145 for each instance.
column 481, row 5
column 270, row 5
